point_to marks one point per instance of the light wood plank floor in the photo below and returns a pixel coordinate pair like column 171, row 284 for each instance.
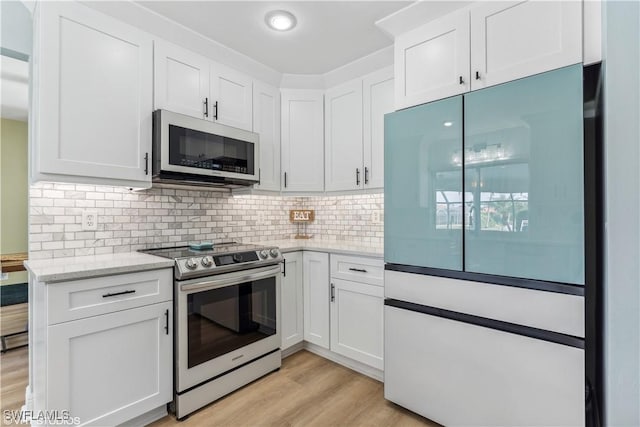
column 307, row 391
column 14, row 375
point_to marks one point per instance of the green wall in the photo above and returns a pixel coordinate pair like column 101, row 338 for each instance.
column 13, row 192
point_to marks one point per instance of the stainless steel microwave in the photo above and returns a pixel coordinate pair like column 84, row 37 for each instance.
column 192, row 151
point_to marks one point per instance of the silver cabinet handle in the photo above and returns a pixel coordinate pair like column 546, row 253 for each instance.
column 285, row 180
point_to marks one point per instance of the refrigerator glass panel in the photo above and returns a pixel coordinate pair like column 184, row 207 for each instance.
column 423, row 185
column 524, row 178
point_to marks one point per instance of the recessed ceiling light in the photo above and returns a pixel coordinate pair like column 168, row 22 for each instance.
column 448, row 124
column 280, row 20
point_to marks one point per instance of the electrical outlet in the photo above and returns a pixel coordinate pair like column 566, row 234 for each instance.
column 89, row 220
column 375, row 217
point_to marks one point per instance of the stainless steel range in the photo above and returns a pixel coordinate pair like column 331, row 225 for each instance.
column 227, row 313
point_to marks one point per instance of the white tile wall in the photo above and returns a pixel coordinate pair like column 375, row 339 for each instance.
column 347, row 218
column 128, row 220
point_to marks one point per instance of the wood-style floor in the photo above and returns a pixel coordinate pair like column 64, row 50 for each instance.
column 307, row 391
column 14, row 375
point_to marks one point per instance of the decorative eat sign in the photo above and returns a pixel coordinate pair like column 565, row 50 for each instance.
column 302, row 215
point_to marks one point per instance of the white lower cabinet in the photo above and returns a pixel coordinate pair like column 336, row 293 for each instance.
column 315, row 272
column 109, row 369
column 102, row 348
column 356, row 321
column 343, row 307
column 292, row 301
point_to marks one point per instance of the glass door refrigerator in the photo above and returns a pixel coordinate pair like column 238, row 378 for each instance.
column 492, row 253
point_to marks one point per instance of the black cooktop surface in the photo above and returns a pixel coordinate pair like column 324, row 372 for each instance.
column 187, row 252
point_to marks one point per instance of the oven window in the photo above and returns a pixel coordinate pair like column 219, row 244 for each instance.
column 195, row 149
column 225, row 319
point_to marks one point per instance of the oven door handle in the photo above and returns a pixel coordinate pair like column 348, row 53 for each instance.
column 230, row 281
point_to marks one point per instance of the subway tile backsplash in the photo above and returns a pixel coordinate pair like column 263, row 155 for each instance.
column 132, row 220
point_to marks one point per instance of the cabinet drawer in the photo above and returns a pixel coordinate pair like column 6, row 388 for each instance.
column 458, row 374
column 90, row 297
column 358, row 269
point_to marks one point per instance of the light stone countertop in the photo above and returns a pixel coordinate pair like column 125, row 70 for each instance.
column 84, row 267
column 332, row 246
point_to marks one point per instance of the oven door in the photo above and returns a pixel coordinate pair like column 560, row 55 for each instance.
column 225, row 321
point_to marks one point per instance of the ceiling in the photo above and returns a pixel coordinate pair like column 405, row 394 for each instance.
column 329, row 34
column 14, row 89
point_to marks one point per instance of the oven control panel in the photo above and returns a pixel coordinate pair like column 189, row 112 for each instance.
column 201, row 265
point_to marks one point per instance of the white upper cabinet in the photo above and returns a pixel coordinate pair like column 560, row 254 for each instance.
column 266, row 122
column 181, row 80
column 486, row 44
column 377, row 101
column 191, row 84
column 515, row 39
column 432, row 61
column 302, row 140
column 92, row 98
column 354, row 131
column 231, row 92
column 343, row 137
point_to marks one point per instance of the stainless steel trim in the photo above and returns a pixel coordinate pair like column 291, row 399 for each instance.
column 167, row 118
column 182, row 274
column 188, row 377
column 229, row 279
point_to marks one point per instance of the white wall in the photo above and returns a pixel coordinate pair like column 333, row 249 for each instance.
column 621, row 24
column 16, row 29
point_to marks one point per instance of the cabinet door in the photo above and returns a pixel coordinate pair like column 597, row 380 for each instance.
column 432, row 61
column 266, row 122
column 93, row 89
column 315, row 272
column 302, row 140
column 232, row 94
column 181, row 81
column 292, row 301
column 515, row 39
column 343, row 137
column 356, row 321
column 377, row 101
column 112, row 368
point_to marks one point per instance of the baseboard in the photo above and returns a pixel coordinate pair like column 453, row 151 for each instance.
column 147, row 418
column 354, row 365
column 293, row 349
